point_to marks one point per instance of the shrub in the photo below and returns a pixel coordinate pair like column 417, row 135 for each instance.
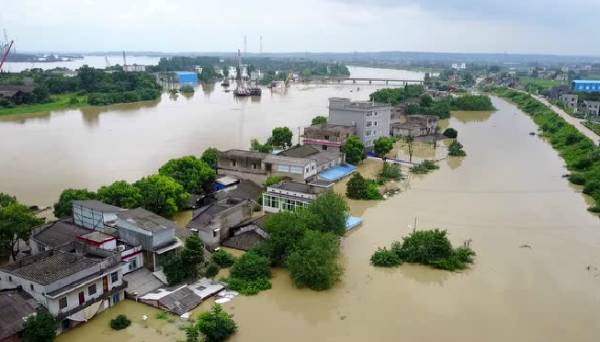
column 577, row 178
column 211, row 270
column 186, row 89
column 384, row 257
column 450, row 133
column 250, row 274
column 216, row 324
column 357, row 187
column 354, row 150
column 425, row 167
column 223, row 259
column 455, row 149
column 390, row 171
column 272, row 180
column 120, row 322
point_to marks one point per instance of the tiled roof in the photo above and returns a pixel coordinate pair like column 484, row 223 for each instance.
column 58, row 233
column 14, row 307
column 146, row 220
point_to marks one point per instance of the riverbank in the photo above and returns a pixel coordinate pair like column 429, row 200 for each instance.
column 58, row 102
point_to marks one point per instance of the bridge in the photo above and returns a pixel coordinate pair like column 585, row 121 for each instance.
column 370, row 80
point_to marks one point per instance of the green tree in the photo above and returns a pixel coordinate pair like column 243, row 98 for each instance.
column 329, row 213
column 313, row 263
column 174, row 269
column 192, row 173
column 216, row 324
column 162, row 195
column 64, row 207
column 192, row 254
column 255, row 145
column 285, row 230
column 121, row 194
column 354, row 150
column 272, row 180
column 40, row 327
column 426, row 101
column 357, row 187
column 450, row 133
column 390, row 171
column 6, row 199
column 319, row 120
column 120, row 322
column 16, row 222
column 383, row 146
column 223, row 258
column 410, row 143
column 281, row 137
column 211, row 157
column 251, row 266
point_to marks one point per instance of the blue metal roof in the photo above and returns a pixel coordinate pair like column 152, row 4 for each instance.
column 587, row 81
column 586, row 86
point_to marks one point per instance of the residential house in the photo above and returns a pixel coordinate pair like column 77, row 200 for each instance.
column 15, row 307
column 370, row 119
column 299, row 169
column 592, row 108
column 247, row 234
column 327, row 137
column 569, row 100
column 415, row 125
column 243, row 164
column 324, row 159
column 153, row 233
column 213, row 222
column 288, row 196
column 72, row 284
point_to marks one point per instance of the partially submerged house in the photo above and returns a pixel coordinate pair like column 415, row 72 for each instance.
column 153, row 233
column 243, row 164
column 415, row 126
column 182, row 299
column 72, row 284
column 327, row 137
column 247, row 234
column 213, row 222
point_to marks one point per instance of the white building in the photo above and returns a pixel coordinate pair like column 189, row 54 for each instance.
column 288, row 196
column 94, row 214
column 371, row 119
column 134, row 68
column 73, row 285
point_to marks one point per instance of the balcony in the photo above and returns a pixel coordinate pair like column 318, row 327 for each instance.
column 64, row 314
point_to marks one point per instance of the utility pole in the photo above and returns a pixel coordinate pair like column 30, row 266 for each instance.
column 245, row 45
column 261, row 46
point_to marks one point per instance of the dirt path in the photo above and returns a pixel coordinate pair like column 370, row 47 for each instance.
column 572, row 120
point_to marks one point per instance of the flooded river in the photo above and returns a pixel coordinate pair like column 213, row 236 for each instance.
column 536, row 275
column 42, row 154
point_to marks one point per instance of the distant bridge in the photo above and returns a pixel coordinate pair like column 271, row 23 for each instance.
column 370, row 80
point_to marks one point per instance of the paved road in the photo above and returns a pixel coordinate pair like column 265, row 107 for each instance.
column 572, row 120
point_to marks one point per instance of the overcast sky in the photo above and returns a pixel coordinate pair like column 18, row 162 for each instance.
column 513, row 26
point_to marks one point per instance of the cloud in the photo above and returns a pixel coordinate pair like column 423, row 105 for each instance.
column 308, row 25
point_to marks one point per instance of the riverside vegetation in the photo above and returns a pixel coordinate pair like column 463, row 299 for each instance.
column 581, row 155
column 425, row 247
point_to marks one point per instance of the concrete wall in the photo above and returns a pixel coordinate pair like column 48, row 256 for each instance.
column 223, row 222
column 90, row 218
column 135, row 236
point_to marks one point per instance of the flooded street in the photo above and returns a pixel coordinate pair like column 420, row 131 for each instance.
column 507, row 193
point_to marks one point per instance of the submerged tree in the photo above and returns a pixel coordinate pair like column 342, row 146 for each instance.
column 16, row 223
column 40, row 327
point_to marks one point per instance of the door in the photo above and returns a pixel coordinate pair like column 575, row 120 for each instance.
column 105, row 283
column 81, row 298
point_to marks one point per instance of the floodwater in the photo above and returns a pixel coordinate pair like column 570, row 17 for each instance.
column 43, row 154
column 92, row 61
column 535, row 278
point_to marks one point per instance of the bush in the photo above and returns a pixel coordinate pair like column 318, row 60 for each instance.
column 186, row 89
column 455, row 149
column 383, row 146
column 319, row 120
column 272, row 180
column 425, row 167
column 384, row 257
column 577, row 178
column 426, row 247
column 390, row 171
column 354, row 150
column 250, row 274
column 223, row 259
column 216, row 324
column 120, row 322
column 450, row 133
column 357, row 187
column 211, row 270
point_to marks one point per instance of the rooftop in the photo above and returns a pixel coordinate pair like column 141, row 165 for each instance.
column 587, row 81
column 180, row 301
column 302, row 151
column 272, row 159
column 295, row 187
column 146, row 220
column 203, row 216
column 330, row 127
column 50, row 266
column 97, row 205
column 14, row 307
column 349, row 104
column 245, row 189
column 243, row 154
column 97, row 237
column 58, row 233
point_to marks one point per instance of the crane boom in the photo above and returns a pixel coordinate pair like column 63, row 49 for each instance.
column 6, row 52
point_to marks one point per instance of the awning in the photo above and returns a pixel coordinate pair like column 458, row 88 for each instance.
column 87, row 313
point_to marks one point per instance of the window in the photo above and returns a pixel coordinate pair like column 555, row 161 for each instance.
column 10, row 278
column 375, row 113
column 296, row 169
column 369, row 123
column 62, row 303
column 114, row 277
column 324, row 148
column 374, row 123
column 367, row 133
column 283, row 168
column 215, row 232
column 92, row 290
column 31, row 287
column 233, row 163
column 133, row 264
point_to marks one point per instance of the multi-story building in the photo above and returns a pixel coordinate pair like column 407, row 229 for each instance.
column 370, row 119
column 592, row 107
column 72, row 284
column 327, row 137
column 93, row 214
column 569, row 100
column 415, row 126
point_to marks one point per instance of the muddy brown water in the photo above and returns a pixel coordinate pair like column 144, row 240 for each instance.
column 508, row 192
